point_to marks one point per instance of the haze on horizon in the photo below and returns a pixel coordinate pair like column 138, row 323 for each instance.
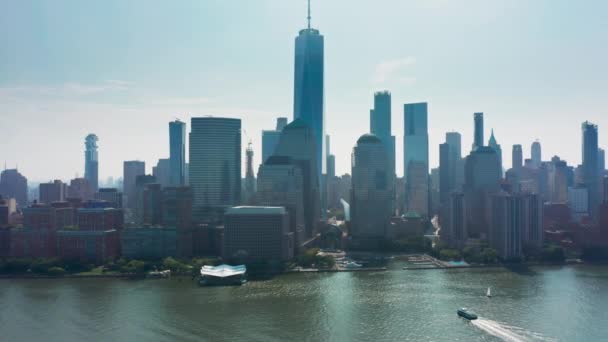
column 123, row 70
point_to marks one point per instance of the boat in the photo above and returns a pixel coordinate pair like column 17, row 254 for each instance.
column 465, row 313
column 159, row 274
column 223, row 275
column 352, row 264
column 489, row 293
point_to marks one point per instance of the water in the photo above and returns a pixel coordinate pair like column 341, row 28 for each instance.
column 541, row 304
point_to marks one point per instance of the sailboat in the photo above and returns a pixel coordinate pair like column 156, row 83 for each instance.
column 489, row 293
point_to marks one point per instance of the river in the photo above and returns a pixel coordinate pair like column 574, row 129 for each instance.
column 568, row 303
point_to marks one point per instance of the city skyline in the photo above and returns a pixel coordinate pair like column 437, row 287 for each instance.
column 129, row 111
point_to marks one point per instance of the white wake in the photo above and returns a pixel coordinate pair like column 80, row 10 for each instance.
column 508, row 333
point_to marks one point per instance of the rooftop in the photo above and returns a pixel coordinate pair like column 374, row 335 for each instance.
column 368, row 138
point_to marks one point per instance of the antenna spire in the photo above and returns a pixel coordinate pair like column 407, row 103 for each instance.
column 308, row 14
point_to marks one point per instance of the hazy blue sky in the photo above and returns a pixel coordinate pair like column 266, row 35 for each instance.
column 123, row 69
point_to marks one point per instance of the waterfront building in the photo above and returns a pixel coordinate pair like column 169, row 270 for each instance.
column 55, row 191
column 223, row 275
column 454, row 227
column 578, row 201
column 215, row 165
column 371, row 193
column 416, row 139
column 590, row 167
column 270, row 139
column 482, row 179
column 141, row 183
column 309, row 91
column 298, row 143
column 91, row 161
column 80, row 188
column 162, row 172
column 558, row 180
column 281, row 183
column 131, row 169
column 97, row 216
column 417, row 188
column 478, row 134
column 149, row 243
column 14, row 185
column 177, row 153
column 92, row 246
column 257, row 234
column 110, row 195
column 532, row 217
column 380, row 126
column 177, row 213
column 152, row 204
column 506, row 226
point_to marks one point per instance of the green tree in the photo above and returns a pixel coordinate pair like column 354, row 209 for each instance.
column 56, row 271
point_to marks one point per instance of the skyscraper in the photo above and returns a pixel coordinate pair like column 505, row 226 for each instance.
column 308, row 103
column 298, row 143
column 162, row 172
column 446, row 174
column 496, row 146
column 55, row 191
column 177, row 153
column 270, row 139
column 536, row 154
column 131, row 169
column 249, row 175
column 416, row 156
column 506, row 227
column 517, row 157
column 380, row 124
column 478, row 138
column 482, row 179
column 601, row 162
column 370, row 194
column 14, row 185
column 416, row 138
column 454, row 139
column 590, row 167
column 91, row 163
column 215, row 165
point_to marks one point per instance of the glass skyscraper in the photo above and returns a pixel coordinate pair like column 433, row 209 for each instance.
column 590, row 167
column 91, row 163
column 177, row 153
column 215, row 164
column 478, row 138
column 308, row 103
column 270, row 139
column 380, row 125
column 416, row 138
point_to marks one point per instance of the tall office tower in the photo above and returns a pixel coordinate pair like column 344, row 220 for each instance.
column 270, row 138
column 308, row 101
column 482, row 179
column 601, row 162
column 131, row 169
column 454, row 139
column 215, row 165
column 281, row 183
column 455, row 224
column 558, row 181
column 605, row 184
column 257, row 234
column 52, row 192
column 141, row 182
column 478, row 138
column 80, row 188
column 417, row 189
column 91, row 162
column 177, row 214
column 532, row 217
column 110, row 195
column 371, row 193
column 590, row 167
column 153, row 204
column 14, row 185
column 446, row 175
column 162, row 172
column 380, row 124
column 517, row 157
column 578, row 201
column 506, row 225
column 177, row 153
column 249, row 175
column 496, row 146
column 298, row 142
column 416, row 138
column 536, row 154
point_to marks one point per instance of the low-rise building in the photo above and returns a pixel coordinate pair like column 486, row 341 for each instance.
column 148, row 243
